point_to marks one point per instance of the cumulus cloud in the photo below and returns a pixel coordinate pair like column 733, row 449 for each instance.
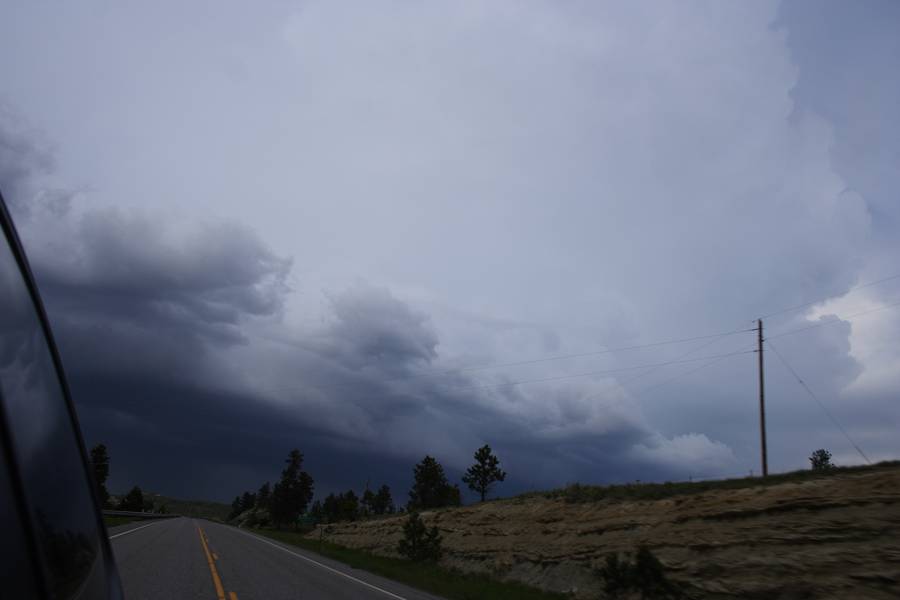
column 692, row 454
column 25, row 157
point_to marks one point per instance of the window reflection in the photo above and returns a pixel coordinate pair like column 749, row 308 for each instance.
column 42, row 436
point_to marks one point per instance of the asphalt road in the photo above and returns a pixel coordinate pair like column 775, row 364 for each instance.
column 193, row 559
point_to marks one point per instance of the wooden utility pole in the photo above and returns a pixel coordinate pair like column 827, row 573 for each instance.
column 762, row 399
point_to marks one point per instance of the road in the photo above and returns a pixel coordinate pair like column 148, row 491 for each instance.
column 194, row 559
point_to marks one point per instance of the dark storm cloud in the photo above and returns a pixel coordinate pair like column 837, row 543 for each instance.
column 336, row 403
column 373, row 330
column 147, row 317
column 122, row 293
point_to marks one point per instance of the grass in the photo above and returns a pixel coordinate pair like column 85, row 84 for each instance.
column 114, row 521
column 451, row 584
column 577, row 493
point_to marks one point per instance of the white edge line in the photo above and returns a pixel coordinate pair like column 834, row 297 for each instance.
column 318, row 564
column 112, row 537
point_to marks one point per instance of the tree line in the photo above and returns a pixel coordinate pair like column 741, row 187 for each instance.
column 133, row 501
column 289, row 499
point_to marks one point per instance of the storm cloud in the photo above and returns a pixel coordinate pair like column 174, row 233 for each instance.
column 368, row 232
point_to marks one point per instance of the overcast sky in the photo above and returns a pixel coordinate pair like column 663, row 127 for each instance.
column 330, row 225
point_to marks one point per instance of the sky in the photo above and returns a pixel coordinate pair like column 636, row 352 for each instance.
column 379, row 230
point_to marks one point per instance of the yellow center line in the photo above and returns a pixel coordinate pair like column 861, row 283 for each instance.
column 220, row 591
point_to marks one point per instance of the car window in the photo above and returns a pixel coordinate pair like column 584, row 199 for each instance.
column 44, row 445
column 17, row 577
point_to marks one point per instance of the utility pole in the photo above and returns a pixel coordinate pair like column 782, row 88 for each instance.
column 762, row 399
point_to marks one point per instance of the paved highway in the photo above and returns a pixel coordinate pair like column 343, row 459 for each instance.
column 200, row 560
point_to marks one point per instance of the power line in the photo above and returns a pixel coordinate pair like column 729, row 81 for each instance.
column 853, row 289
column 694, row 370
column 591, row 373
column 835, row 320
column 714, row 336
column 819, row 402
column 651, row 368
column 680, row 356
column 667, row 381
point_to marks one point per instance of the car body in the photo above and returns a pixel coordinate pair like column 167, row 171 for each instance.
column 54, row 543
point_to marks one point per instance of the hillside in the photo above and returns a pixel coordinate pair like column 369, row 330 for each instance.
column 203, row 509
column 796, row 536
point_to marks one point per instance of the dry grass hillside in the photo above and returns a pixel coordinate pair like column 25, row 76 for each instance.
column 797, row 536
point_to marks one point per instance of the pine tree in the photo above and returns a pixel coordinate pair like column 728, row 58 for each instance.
column 248, row 501
column 349, row 506
column 263, row 495
column 331, row 508
column 821, row 460
column 486, row 471
column 235, row 508
column 431, row 488
column 383, row 503
column 100, row 464
column 419, row 543
column 292, row 493
column 133, row 500
column 367, row 503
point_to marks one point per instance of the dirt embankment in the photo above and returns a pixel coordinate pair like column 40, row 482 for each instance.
column 830, row 537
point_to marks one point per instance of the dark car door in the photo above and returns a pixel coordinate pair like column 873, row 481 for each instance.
column 52, row 540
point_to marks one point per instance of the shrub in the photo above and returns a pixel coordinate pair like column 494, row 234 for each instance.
column 644, row 575
column 419, row 543
column 821, row 460
column 616, row 575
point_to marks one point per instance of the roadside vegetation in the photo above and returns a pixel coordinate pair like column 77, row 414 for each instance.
column 820, row 460
column 424, row 575
column 656, row 491
column 284, row 512
column 419, row 543
column 115, row 521
column 624, row 576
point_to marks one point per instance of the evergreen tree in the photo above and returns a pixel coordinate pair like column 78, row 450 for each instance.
column 100, row 464
column 383, row 504
column 486, row 471
column 431, row 488
column 292, row 493
column 263, row 495
column 317, row 512
column 419, row 543
column 133, row 500
column 367, row 503
column 248, row 501
column 349, row 506
column 821, row 460
column 331, row 508
column 235, row 508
